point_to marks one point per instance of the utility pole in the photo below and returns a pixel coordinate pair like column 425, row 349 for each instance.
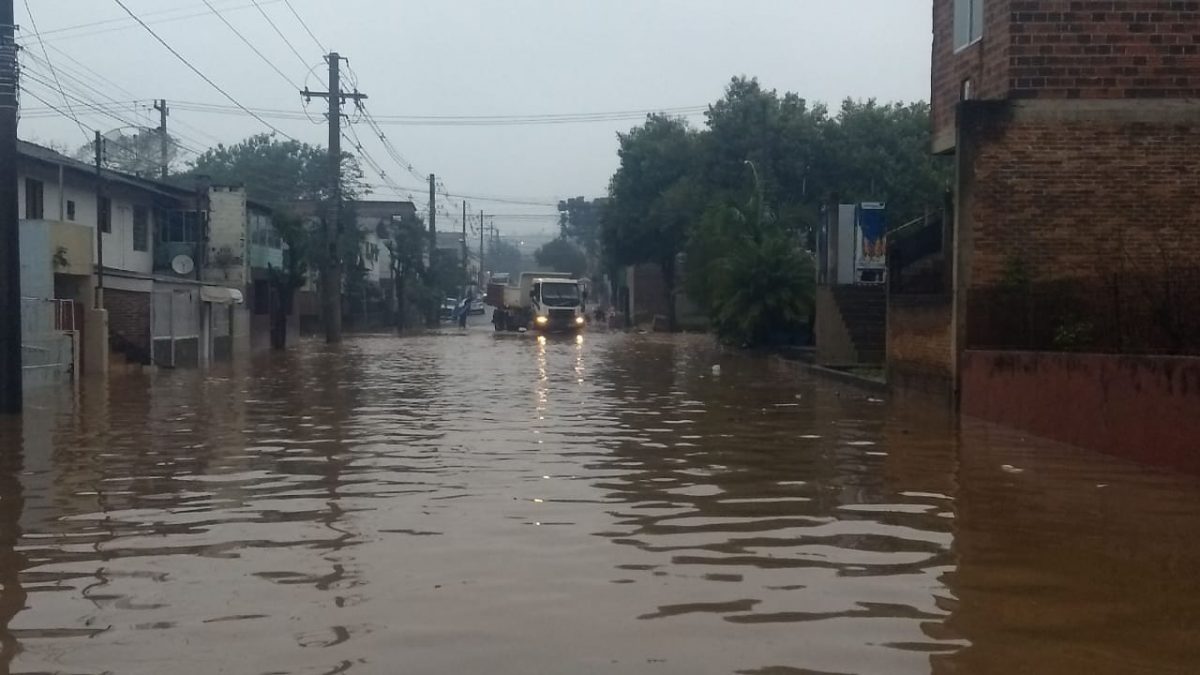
column 11, row 394
column 103, row 216
column 331, row 276
column 435, row 308
column 163, row 113
column 481, row 228
column 464, row 243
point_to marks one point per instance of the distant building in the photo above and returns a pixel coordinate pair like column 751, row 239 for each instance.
column 372, row 302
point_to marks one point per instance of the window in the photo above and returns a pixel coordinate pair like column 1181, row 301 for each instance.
column 104, row 214
column 141, row 228
column 180, row 227
column 968, row 22
column 70, row 210
column 35, row 200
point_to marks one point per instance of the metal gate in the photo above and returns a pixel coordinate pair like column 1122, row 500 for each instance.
column 175, row 325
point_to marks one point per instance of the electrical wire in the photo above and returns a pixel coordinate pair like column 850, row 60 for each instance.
column 249, row 44
column 89, row 104
column 201, row 74
column 281, row 35
column 305, row 25
column 54, row 72
column 58, row 33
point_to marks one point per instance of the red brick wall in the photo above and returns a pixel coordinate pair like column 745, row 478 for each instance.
column 1083, row 225
column 1140, row 408
column 129, row 316
column 984, row 63
column 1105, row 49
column 920, row 354
column 1090, row 49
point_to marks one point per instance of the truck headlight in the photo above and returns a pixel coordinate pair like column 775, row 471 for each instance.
column 541, row 320
column 579, row 321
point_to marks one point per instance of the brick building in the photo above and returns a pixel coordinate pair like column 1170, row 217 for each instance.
column 1073, row 226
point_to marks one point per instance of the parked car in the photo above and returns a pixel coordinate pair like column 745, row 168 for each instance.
column 448, row 307
column 477, row 307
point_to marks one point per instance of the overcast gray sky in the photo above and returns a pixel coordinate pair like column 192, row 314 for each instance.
column 471, row 58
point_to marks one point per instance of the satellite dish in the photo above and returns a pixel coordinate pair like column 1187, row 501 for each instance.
column 183, row 265
column 138, row 150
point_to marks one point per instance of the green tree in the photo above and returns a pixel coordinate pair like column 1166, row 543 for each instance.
column 292, row 276
column 274, row 171
column 406, row 246
column 880, row 152
column 652, row 198
column 561, row 255
column 503, row 258
column 757, row 281
column 579, row 221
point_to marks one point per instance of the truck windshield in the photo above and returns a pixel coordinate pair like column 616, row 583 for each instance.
column 560, row 295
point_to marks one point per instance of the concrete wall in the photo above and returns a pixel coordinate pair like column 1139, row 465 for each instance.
column 834, row 346
column 1078, row 226
column 920, row 348
column 1141, row 408
column 228, row 253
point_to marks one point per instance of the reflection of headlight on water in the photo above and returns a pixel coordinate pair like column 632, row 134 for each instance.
column 541, row 320
column 541, row 339
column 578, row 339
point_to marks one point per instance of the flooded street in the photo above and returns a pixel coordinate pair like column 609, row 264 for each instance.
column 466, row 503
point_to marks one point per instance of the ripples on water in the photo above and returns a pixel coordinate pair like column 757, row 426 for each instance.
column 471, row 504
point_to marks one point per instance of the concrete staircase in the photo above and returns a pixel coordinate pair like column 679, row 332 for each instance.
column 864, row 313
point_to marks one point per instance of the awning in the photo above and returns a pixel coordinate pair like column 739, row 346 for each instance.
column 221, row 296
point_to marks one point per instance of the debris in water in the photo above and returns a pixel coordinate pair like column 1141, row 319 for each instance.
column 1009, row 468
column 716, row 370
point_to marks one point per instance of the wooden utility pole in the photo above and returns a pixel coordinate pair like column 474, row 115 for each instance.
column 433, row 314
column 331, row 274
column 163, row 149
column 103, row 219
column 11, row 395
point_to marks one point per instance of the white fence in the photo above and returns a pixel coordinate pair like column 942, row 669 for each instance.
column 48, row 341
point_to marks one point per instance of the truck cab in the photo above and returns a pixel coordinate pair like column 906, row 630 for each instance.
column 557, row 305
column 539, row 301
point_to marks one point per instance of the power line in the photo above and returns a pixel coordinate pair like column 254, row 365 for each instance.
column 249, row 44
column 202, row 76
column 53, row 72
column 281, row 35
column 88, row 104
column 129, row 24
column 306, row 28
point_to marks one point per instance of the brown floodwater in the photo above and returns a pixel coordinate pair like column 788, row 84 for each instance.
column 466, row 503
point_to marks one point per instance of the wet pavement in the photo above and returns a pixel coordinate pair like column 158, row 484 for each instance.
column 467, row 503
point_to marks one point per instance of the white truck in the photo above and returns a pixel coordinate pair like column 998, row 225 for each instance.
column 545, row 302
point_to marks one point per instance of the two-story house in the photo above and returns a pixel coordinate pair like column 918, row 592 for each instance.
column 1074, row 128
column 108, row 260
